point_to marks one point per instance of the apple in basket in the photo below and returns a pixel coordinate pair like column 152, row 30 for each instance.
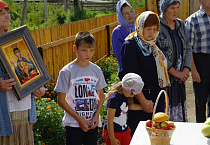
column 170, row 124
column 149, row 123
column 155, row 124
column 163, row 124
column 206, row 128
column 160, row 122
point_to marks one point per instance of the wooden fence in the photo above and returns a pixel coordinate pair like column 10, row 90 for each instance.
column 56, row 42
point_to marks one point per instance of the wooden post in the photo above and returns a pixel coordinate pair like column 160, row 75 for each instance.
column 113, row 6
column 196, row 6
column 76, row 3
column 65, row 6
column 158, row 9
column 108, row 39
column 146, row 5
column 151, row 5
column 24, row 12
column 45, row 10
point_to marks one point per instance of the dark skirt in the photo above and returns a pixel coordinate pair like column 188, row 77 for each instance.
column 175, row 110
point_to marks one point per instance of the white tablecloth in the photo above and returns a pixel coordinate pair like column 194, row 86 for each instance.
column 184, row 134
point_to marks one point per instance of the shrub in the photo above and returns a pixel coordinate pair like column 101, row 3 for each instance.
column 48, row 128
column 50, row 93
column 136, row 3
column 35, row 15
column 109, row 68
column 79, row 13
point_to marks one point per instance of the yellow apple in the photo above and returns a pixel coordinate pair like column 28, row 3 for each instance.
column 156, row 123
column 171, row 123
column 206, row 130
column 207, row 122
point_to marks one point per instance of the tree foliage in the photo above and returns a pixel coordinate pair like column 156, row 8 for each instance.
column 56, row 14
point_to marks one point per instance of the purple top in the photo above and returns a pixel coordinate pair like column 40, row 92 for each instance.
column 118, row 35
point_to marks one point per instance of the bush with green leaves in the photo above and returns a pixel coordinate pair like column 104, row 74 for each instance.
column 35, row 15
column 79, row 13
column 48, row 128
column 136, row 3
column 56, row 14
column 50, row 93
column 109, row 67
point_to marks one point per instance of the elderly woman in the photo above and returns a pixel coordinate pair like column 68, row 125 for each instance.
column 140, row 55
column 16, row 117
column 126, row 18
column 173, row 41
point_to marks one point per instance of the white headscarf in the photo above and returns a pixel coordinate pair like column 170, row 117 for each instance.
column 160, row 59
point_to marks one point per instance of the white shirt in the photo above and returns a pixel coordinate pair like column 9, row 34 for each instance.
column 15, row 105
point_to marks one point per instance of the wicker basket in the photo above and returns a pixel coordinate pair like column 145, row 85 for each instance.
column 159, row 136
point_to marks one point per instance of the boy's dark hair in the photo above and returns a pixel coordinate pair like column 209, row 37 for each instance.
column 84, row 37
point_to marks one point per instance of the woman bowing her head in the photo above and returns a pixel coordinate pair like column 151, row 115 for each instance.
column 140, row 55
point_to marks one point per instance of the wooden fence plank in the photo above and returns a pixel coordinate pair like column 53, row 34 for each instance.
column 184, row 9
column 152, row 6
column 47, row 54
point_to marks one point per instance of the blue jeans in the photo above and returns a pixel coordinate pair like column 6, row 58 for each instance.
column 202, row 89
column 76, row 136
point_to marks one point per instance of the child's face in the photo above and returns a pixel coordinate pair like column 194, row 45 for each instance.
column 85, row 52
column 126, row 93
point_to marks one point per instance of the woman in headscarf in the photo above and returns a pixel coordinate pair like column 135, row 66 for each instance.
column 173, row 41
column 16, row 117
column 140, row 55
column 126, row 19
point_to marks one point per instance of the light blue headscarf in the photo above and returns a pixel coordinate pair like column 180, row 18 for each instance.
column 121, row 20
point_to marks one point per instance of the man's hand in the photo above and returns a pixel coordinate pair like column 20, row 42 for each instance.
column 6, row 85
column 196, row 76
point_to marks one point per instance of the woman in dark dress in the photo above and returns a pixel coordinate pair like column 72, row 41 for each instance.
column 173, row 41
column 140, row 55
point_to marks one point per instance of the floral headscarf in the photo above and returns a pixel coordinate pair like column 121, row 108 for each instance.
column 149, row 47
